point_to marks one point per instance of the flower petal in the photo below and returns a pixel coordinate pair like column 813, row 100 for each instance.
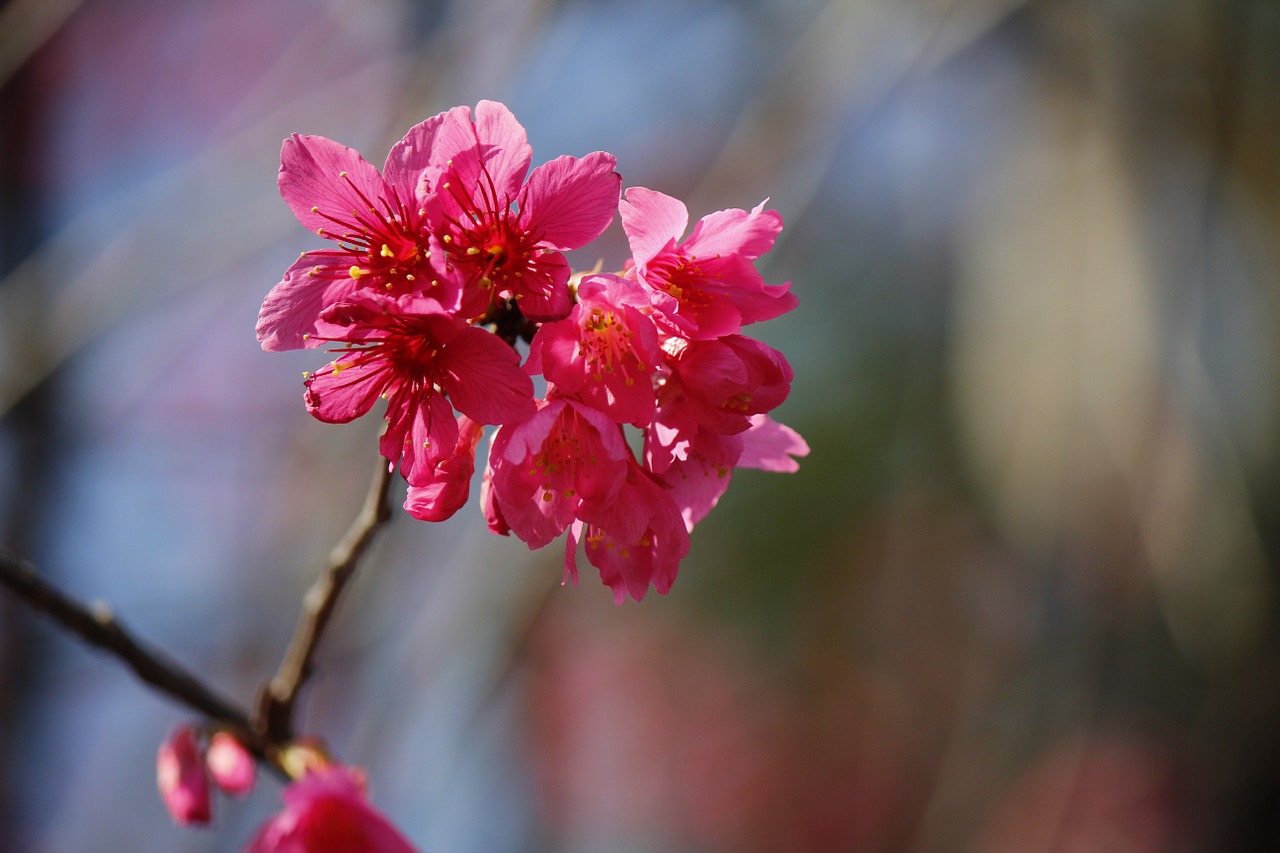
column 568, row 202
column 651, row 220
column 344, row 389
column 482, row 377
column 291, row 312
column 322, row 180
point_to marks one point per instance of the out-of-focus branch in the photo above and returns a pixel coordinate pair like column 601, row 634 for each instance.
column 97, row 625
column 278, row 698
column 271, row 727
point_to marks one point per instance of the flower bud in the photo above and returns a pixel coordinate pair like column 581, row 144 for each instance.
column 230, row 764
column 182, row 778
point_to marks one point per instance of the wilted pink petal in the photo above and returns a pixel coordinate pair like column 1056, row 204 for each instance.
column 182, row 779
column 326, row 811
column 230, row 764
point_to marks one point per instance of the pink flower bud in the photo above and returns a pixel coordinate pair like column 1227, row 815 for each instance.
column 326, row 812
column 182, row 779
column 230, row 764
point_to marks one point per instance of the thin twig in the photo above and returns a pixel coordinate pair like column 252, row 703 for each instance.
column 278, row 698
column 97, row 625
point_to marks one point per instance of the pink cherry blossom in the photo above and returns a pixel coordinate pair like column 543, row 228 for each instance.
column 326, row 811
column 566, row 462
column 421, row 359
column 230, row 765
column 182, row 778
column 375, row 219
column 706, row 286
column 636, row 541
column 502, row 237
column 604, row 352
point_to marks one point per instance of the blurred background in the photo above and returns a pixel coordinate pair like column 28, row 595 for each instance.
column 1020, row 598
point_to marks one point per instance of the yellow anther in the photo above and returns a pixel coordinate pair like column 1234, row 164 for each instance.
column 386, row 252
column 473, row 250
column 485, row 282
column 315, row 209
column 342, row 174
column 409, row 277
column 356, row 272
column 338, row 367
column 448, row 238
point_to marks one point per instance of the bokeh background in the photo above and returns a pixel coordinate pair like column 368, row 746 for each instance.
column 1020, row 598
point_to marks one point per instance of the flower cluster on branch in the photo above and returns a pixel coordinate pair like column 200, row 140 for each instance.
column 454, row 253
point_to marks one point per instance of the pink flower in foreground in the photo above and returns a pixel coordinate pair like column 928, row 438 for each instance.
column 230, row 764
column 416, row 355
column 605, row 352
column 326, row 811
column 706, row 286
column 375, row 219
column 503, row 237
column 182, row 778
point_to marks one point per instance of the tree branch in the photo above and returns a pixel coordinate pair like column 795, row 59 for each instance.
column 278, row 698
column 97, row 625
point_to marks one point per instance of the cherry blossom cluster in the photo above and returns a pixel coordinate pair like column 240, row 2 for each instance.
column 452, row 255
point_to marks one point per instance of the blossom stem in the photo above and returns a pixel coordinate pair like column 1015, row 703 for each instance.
column 278, row 698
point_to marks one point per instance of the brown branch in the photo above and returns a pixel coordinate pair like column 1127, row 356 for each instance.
column 278, row 698
column 97, row 625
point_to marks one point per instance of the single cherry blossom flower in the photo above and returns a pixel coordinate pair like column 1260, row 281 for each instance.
column 706, row 286
column 421, row 359
column 327, row 811
column 376, row 220
column 230, row 765
column 501, row 236
column 566, row 462
column 605, row 352
column 182, row 777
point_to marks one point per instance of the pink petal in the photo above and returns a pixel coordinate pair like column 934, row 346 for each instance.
column 748, row 234
column 431, row 436
column 316, row 172
column 568, row 202
column 769, row 446
column 504, row 146
column 651, row 220
column 410, row 156
column 484, row 379
column 292, row 309
column 344, row 389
